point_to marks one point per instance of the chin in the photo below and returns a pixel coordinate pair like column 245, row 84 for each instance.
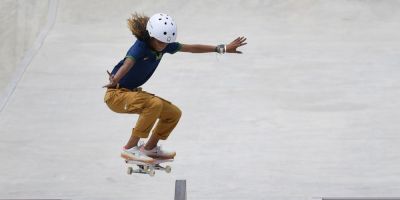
column 160, row 49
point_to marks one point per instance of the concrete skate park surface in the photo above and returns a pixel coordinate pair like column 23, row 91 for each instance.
column 21, row 22
column 309, row 110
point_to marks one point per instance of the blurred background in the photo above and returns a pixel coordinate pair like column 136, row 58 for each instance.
column 309, row 110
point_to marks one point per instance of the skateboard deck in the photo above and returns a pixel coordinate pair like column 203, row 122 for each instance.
column 147, row 168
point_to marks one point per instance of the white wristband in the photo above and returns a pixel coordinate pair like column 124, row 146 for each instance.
column 221, row 49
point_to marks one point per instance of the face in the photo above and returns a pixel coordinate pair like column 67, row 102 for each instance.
column 157, row 45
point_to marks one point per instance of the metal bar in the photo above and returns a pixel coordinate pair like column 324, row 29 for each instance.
column 360, row 198
column 180, row 190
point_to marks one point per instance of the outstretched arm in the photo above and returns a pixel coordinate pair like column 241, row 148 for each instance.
column 229, row 48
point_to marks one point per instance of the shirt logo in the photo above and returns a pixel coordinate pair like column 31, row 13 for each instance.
column 159, row 56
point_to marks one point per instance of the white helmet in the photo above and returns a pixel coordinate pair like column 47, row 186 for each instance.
column 162, row 27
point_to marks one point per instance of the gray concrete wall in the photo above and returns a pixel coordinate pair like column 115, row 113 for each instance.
column 20, row 24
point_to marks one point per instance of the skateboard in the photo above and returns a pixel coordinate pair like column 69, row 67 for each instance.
column 147, row 168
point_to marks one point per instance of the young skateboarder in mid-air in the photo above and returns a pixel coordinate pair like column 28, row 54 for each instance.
column 155, row 36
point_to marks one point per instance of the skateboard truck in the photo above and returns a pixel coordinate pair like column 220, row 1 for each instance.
column 147, row 168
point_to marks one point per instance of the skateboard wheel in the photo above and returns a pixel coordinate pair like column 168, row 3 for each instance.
column 129, row 171
column 145, row 168
column 168, row 169
column 152, row 172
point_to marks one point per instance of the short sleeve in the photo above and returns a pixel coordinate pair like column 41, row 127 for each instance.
column 136, row 51
column 173, row 47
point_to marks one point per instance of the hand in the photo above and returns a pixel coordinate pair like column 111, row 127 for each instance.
column 112, row 83
column 238, row 42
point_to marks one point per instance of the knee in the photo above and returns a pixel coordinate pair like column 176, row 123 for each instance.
column 178, row 113
column 172, row 115
column 156, row 104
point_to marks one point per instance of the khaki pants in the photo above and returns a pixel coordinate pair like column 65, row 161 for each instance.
column 149, row 107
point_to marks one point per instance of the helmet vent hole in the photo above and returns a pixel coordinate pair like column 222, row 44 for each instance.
column 159, row 18
column 165, row 23
column 173, row 33
column 165, row 33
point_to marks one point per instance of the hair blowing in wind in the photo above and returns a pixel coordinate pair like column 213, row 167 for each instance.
column 137, row 24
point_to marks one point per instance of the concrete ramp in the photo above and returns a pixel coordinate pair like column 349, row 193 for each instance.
column 21, row 24
column 309, row 110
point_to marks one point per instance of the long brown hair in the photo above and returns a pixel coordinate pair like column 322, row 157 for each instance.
column 137, row 24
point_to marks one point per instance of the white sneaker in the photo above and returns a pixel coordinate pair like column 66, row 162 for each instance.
column 134, row 153
column 159, row 153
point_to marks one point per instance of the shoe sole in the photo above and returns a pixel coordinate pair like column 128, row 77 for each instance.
column 127, row 157
column 157, row 157
column 162, row 157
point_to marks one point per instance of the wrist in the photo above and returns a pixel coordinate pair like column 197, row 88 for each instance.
column 114, row 82
column 221, row 48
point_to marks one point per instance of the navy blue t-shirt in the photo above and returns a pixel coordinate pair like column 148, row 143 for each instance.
column 146, row 62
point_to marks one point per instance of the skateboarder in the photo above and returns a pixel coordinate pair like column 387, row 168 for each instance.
column 155, row 36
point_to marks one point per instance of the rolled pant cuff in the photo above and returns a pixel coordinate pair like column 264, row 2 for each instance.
column 162, row 137
column 140, row 134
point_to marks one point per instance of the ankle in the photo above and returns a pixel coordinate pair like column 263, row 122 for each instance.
column 129, row 146
column 148, row 148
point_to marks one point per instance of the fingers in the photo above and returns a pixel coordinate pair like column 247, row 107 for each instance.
column 240, row 41
column 109, row 85
column 237, row 39
column 111, row 79
column 111, row 76
column 243, row 40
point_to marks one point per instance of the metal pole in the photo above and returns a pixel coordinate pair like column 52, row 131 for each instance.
column 180, row 190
